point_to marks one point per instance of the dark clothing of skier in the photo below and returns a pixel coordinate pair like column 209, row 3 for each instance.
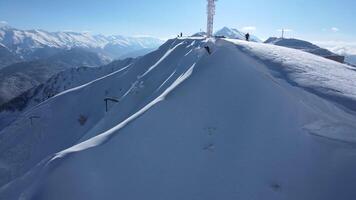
column 181, row 34
column 207, row 48
column 247, row 37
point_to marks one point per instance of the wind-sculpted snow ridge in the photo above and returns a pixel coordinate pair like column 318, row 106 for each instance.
column 190, row 125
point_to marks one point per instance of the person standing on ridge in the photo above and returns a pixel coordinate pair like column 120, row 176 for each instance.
column 247, row 37
column 181, row 34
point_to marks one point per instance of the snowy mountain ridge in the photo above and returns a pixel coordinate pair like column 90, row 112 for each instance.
column 300, row 44
column 24, row 41
column 248, row 117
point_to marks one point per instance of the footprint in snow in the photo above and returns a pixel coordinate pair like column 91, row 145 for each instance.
column 210, row 147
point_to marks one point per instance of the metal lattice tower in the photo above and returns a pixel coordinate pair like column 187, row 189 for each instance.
column 211, row 13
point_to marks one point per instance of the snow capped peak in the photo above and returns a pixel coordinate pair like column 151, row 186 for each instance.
column 227, row 30
column 233, row 33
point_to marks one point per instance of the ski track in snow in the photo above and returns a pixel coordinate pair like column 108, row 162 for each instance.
column 166, row 80
column 188, row 52
column 161, row 59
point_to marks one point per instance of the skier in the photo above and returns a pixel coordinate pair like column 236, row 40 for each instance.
column 181, row 34
column 247, row 37
column 207, row 48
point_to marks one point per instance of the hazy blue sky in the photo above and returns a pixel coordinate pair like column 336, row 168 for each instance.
column 316, row 20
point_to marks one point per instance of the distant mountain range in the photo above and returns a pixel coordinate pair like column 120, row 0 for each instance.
column 39, row 44
column 29, row 58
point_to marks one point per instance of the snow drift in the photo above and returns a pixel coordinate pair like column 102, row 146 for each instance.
column 249, row 121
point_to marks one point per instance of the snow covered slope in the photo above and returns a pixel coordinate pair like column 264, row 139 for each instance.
column 249, row 121
column 233, row 33
column 26, row 43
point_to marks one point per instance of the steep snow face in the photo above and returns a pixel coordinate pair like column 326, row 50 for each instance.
column 88, row 103
column 301, row 45
column 236, row 124
column 235, row 34
column 25, row 43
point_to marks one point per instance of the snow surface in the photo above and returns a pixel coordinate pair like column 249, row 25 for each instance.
column 249, row 121
column 316, row 73
column 301, row 45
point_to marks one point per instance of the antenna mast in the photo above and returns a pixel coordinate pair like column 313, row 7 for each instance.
column 282, row 33
column 211, row 13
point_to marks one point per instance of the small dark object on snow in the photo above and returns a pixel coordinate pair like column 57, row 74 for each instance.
column 276, row 186
column 32, row 118
column 207, row 48
column 82, row 120
column 181, row 34
column 109, row 99
column 247, row 37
